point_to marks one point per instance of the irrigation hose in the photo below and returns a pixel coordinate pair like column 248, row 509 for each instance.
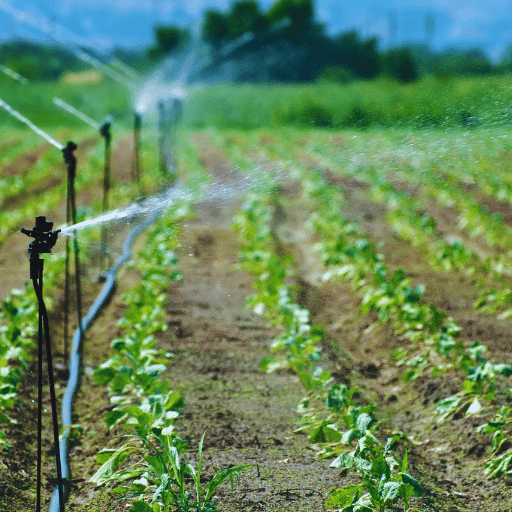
column 75, row 361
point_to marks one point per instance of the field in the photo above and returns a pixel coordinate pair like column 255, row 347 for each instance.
column 328, row 301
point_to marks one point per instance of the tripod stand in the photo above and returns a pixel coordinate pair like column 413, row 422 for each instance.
column 44, row 240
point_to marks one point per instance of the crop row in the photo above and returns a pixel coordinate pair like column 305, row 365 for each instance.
column 347, row 253
column 341, row 422
column 150, row 467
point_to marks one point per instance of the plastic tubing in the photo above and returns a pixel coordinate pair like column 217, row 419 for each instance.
column 75, row 360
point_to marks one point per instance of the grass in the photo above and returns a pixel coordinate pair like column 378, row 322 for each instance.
column 430, row 102
column 35, row 101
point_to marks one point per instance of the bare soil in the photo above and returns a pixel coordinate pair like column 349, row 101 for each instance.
column 248, row 416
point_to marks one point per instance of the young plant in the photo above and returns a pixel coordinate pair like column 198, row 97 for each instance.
column 158, row 479
column 500, row 462
column 385, row 480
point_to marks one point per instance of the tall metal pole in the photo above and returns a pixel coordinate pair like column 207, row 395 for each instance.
column 70, row 160
column 106, row 134
column 136, row 147
column 162, row 137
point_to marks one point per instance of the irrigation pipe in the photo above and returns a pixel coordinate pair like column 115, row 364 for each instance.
column 75, row 360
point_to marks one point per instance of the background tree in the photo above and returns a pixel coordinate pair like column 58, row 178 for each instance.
column 168, row 39
column 463, row 63
column 215, row 29
column 399, row 64
column 244, row 17
column 361, row 57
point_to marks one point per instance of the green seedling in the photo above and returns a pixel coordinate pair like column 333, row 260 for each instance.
column 159, row 478
column 384, row 474
column 500, row 463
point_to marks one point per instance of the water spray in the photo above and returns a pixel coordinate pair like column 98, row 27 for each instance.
column 13, row 74
column 77, row 113
column 106, row 70
column 127, row 70
column 44, row 240
column 32, row 126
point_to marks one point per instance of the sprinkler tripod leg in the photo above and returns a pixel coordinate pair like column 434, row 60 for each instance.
column 43, row 322
column 44, row 240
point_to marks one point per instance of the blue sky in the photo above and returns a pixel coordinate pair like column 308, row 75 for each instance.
column 458, row 23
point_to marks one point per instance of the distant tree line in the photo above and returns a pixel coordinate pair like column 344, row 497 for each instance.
column 306, row 52
column 37, row 61
column 300, row 51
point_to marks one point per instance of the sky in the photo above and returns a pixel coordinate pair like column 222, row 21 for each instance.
column 486, row 24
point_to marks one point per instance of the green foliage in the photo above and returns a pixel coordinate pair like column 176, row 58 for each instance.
column 384, row 475
column 359, row 56
column 338, row 74
column 215, row 27
column 243, row 17
column 499, row 464
column 162, row 468
column 340, row 422
column 38, row 61
column 453, row 63
column 133, row 371
column 19, row 314
column 399, row 64
column 301, row 12
column 168, row 39
column 426, row 103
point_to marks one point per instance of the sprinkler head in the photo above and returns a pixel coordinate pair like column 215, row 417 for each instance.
column 68, row 152
column 44, row 237
column 105, row 128
column 138, row 121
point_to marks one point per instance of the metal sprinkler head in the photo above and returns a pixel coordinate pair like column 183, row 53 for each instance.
column 138, row 121
column 44, row 237
column 105, row 128
column 68, row 152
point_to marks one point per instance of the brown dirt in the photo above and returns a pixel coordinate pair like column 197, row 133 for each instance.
column 249, row 416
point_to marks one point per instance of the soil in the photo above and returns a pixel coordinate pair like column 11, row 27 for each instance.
column 248, row 416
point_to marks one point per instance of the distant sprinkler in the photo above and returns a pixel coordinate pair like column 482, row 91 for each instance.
column 137, row 125
column 77, row 113
column 105, row 132
column 107, row 136
column 162, row 136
